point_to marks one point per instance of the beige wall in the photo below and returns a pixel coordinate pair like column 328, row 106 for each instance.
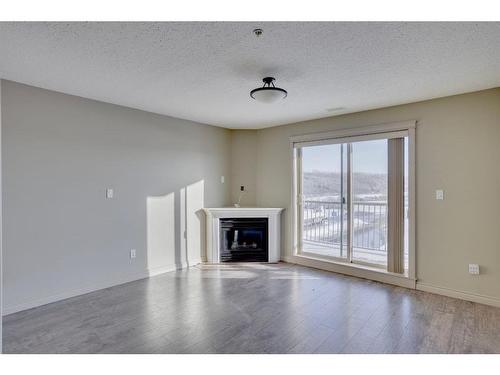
column 457, row 149
column 244, row 166
column 62, row 237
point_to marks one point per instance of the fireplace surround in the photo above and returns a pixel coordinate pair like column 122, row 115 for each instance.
column 252, row 240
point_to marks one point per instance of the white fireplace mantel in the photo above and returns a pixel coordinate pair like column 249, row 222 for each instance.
column 213, row 228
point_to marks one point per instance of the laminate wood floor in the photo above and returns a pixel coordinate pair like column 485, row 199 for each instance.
column 255, row 308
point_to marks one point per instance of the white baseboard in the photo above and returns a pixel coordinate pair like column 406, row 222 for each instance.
column 411, row 284
column 172, row 267
column 71, row 293
column 472, row 297
column 193, row 262
column 94, row 287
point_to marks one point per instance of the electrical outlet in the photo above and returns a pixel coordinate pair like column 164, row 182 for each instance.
column 132, row 254
column 222, row 179
column 474, row 269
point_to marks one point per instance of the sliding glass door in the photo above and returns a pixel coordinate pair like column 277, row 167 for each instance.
column 352, row 200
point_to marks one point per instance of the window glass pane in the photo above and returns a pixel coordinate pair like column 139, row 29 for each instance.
column 369, row 202
column 324, row 216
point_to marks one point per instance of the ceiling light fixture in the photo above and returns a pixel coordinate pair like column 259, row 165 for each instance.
column 268, row 93
column 258, row 32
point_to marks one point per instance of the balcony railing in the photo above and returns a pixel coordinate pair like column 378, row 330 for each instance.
column 326, row 223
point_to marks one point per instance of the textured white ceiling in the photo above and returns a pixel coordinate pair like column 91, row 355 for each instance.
column 204, row 71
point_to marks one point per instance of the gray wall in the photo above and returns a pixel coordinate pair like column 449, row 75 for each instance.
column 62, row 237
column 457, row 149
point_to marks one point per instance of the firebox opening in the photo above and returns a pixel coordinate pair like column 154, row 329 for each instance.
column 244, row 240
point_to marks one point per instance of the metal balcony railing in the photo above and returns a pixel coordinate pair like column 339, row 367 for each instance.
column 326, row 223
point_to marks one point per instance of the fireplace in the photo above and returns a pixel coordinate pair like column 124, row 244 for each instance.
column 267, row 221
column 244, row 239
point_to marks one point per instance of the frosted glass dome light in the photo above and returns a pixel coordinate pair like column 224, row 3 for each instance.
column 268, row 93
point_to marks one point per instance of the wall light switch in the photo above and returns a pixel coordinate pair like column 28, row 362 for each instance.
column 109, row 193
column 222, row 179
column 439, row 195
column 132, row 254
column 474, row 269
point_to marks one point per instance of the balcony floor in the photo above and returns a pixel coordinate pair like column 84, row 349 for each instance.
column 361, row 255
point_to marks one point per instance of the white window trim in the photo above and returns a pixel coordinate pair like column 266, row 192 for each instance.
column 342, row 135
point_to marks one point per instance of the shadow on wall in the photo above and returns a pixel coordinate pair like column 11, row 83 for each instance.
column 176, row 229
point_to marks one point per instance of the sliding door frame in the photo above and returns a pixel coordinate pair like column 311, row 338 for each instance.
column 348, row 194
column 350, row 135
